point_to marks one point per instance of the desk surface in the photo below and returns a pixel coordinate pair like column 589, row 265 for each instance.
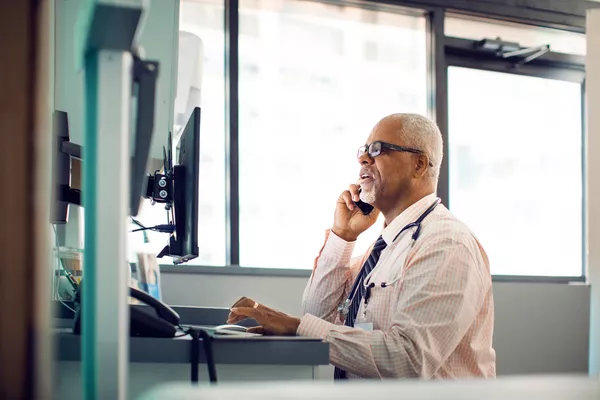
column 227, row 350
column 265, row 350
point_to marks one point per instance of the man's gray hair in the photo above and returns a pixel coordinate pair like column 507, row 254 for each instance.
column 422, row 133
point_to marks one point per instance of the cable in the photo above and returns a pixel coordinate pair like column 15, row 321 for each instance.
column 185, row 331
column 198, row 334
column 58, row 274
column 164, row 228
column 138, row 223
column 208, row 351
column 195, row 359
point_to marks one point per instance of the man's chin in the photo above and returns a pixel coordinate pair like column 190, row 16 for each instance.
column 367, row 197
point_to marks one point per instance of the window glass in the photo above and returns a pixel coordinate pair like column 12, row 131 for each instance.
column 314, row 80
column 200, row 82
column 515, row 154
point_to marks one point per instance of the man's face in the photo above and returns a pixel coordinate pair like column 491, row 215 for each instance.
column 388, row 177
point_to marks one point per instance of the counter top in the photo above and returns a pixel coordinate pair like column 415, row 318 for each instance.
column 227, row 350
column 265, row 350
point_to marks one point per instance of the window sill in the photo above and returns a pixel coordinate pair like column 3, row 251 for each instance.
column 234, row 270
column 305, row 273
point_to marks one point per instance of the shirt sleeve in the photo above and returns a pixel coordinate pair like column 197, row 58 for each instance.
column 332, row 274
column 441, row 295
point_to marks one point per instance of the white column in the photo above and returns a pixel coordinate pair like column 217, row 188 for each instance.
column 593, row 181
column 106, row 187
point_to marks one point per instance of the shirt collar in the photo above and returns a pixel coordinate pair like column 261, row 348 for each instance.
column 411, row 214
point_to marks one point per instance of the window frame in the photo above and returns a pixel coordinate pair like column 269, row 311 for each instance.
column 552, row 65
column 443, row 51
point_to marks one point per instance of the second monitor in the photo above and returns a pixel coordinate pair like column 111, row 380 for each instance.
column 183, row 243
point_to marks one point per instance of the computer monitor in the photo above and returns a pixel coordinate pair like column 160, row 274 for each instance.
column 183, row 244
column 63, row 150
column 145, row 74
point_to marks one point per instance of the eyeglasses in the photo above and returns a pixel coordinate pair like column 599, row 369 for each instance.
column 374, row 149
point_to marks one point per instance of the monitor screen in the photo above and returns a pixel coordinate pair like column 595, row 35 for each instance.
column 62, row 150
column 184, row 244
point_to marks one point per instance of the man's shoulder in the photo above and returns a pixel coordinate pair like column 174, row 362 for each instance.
column 443, row 222
column 443, row 226
column 444, row 230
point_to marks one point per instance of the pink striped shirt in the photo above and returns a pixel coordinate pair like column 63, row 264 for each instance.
column 436, row 321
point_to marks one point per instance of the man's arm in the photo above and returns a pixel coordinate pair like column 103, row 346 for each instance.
column 442, row 292
column 333, row 272
column 332, row 277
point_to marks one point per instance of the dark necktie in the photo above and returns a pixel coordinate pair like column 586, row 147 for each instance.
column 380, row 244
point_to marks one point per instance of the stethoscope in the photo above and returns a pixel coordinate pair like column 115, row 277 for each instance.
column 345, row 306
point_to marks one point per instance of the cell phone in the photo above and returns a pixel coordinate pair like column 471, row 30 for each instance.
column 364, row 207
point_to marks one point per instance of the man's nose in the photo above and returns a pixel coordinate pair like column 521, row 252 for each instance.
column 365, row 159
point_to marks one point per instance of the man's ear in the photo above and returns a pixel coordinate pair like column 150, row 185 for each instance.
column 421, row 165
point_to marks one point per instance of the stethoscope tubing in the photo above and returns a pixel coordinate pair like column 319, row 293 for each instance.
column 417, row 223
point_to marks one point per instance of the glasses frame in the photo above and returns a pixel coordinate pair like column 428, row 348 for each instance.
column 366, row 149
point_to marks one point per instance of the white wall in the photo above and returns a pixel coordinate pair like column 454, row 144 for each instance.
column 593, row 180
column 159, row 41
column 539, row 328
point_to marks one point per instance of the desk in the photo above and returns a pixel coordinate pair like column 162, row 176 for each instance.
column 154, row 361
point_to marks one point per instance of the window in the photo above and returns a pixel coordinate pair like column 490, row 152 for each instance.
column 200, row 82
column 314, row 79
column 515, row 154
column 525, row 35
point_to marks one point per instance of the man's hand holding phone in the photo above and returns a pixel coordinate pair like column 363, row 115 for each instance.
column 349, row 221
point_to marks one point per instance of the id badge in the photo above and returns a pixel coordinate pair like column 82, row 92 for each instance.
column 365, row 326
column 362, row 323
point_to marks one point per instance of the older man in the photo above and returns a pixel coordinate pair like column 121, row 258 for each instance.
column 419, row 303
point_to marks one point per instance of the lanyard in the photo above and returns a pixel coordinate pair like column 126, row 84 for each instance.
column 345, row 306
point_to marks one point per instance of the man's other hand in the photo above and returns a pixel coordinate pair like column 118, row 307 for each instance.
column 271, row 322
